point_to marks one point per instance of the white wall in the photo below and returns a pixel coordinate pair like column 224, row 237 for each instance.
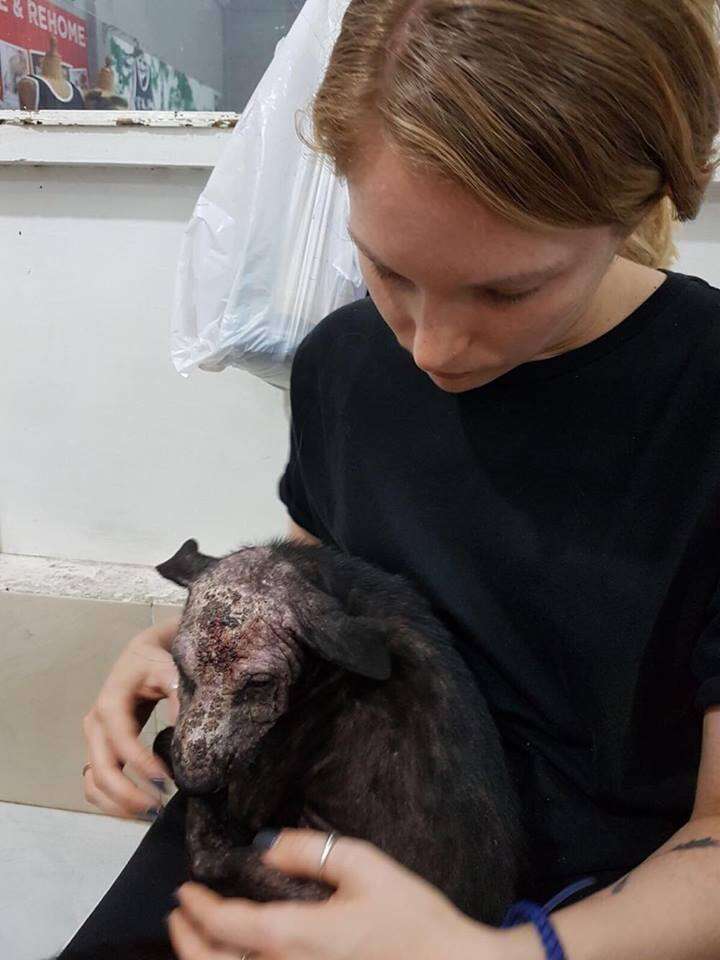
column 700, row 241
column 107, row 454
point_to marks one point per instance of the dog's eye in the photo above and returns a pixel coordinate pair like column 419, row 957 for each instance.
column 258, row 697
column 257, row 691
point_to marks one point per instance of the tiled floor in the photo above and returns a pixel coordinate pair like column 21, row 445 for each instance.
column 54, row 868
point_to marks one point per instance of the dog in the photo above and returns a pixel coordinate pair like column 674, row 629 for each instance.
column 318, row 691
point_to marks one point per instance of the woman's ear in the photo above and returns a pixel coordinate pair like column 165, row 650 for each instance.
column 186, row 565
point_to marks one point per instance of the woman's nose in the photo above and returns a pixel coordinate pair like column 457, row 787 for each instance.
column 439, row 349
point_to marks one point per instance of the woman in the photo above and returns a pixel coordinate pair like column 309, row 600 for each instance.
column 523, row 417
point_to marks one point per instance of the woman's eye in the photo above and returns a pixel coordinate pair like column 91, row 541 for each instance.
column 386, row 274
column 505, row 299
column 509, row 298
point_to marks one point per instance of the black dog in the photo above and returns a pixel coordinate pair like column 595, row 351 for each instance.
column 318, row 691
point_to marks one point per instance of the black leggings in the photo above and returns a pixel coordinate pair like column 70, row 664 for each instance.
column 135, row 906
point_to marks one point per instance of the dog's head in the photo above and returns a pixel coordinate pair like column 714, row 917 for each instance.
column 251, row 622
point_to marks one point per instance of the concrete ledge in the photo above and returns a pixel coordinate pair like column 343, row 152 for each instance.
column 118, row 582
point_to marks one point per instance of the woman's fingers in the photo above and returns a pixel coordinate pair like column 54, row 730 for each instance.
column 240, row 926
column 143, row 674
column 117, row 717
column 173, row 707
column 108, row 787
column 243, row 926
column 158, row 668
column 189, row 944
column 98, row 799
column 351, row 863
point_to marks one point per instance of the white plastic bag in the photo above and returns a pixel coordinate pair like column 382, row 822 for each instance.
column 267, row 255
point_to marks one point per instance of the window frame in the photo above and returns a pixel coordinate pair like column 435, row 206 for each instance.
column 133, row 138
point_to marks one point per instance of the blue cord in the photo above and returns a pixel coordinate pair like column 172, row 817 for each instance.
column 527, row 912
column 567, row 893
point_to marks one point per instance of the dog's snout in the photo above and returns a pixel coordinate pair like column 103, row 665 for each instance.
column 199, row 786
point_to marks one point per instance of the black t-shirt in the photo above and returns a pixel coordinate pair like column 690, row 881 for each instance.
column 564, row 520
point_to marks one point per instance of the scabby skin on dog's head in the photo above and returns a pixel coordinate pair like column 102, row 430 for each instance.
column 251, row 620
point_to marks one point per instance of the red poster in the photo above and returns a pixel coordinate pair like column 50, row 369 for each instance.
column 31, row 23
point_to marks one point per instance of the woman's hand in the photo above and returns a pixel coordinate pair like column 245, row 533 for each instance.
column 379, row 911
column 144, row 674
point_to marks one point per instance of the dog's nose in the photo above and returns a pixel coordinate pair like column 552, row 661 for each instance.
column 198, row 786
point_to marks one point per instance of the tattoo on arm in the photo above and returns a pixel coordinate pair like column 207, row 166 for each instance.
column 704, row 842
column 620, row 884
column 694, row 844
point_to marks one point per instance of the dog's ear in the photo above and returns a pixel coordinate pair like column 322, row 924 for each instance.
column 338, row 627
column 358, row 644
column 187, row 564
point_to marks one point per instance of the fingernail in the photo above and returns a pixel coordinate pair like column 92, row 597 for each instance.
column 161, row 784
column 266, row 839
column 152, row 813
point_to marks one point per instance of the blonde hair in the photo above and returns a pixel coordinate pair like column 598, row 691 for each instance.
column 560, row 112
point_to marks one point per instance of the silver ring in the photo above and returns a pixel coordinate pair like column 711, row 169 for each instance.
column 329, row 844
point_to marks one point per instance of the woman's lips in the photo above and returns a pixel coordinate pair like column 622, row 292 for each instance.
column 447, row 376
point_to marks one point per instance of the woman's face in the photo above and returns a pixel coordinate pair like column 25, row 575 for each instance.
column 468, row 294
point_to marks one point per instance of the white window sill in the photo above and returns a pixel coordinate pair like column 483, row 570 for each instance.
column 113, row 138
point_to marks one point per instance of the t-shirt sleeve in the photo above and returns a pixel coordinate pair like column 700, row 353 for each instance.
column 301, row 487
column 706, row 661
column 292, row 490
